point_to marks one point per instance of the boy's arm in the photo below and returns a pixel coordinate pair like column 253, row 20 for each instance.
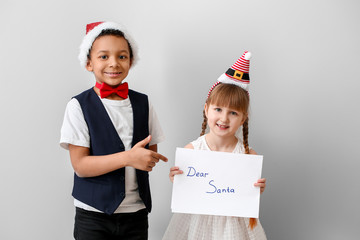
column 90, row 166
column 153, row 148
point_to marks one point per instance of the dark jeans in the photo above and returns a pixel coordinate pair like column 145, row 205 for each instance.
column 100, row 226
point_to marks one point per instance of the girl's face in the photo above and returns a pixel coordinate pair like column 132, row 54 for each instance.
column 223, row 121
column 109, row 60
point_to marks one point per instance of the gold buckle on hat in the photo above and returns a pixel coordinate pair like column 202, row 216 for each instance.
column 238, row 74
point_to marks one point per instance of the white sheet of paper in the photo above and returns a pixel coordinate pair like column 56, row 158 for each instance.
column 216, row 183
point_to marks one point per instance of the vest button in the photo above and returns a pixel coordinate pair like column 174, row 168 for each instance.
column 122, row 178
column 122, row 194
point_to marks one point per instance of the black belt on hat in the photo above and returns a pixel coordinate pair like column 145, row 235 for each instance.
column 237, row 74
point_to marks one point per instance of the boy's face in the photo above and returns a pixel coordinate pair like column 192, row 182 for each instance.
column 109, row 60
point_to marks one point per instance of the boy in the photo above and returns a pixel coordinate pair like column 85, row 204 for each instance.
column 108, row 130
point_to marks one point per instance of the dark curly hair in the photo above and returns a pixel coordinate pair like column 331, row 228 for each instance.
column 116, row 33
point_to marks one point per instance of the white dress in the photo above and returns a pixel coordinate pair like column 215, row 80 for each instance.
column 208, row 227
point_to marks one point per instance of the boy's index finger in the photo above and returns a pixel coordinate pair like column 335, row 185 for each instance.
column 160, row 157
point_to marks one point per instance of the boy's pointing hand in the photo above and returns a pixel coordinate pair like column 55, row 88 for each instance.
column 142, row 158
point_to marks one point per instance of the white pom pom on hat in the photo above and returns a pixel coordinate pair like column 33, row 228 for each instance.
column 92, row 32
column 247, row 55
column 237, row 74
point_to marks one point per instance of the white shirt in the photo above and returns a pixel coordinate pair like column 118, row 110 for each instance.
column 75, row 131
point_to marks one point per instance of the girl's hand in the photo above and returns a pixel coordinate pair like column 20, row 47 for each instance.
column 174, row 171
column 262, row 184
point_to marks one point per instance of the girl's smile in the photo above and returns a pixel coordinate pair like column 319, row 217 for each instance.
column 222, row 127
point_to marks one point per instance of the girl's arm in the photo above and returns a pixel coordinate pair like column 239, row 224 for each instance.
column 91, row 166
column 261, row 182
column 176, row 170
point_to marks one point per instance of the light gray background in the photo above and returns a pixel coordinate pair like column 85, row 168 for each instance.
column 304, row 92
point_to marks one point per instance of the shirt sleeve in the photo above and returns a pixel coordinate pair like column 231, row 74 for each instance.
column 74, row 129
column 155, row 130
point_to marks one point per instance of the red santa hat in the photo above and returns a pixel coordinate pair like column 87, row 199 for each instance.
column 92, row 32
column 237, row 74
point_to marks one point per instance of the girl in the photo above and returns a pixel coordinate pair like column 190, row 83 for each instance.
column 226, row 110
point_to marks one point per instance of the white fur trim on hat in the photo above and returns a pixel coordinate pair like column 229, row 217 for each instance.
column 90, row 37
column 225, row 79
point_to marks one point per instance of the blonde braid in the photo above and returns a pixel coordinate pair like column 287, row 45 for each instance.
column 203, row 126
column 245, row 135
column 252, row 221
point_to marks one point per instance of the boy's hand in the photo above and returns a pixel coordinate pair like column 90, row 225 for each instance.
column 261, row 183
column 174, row 171
column 142, row 158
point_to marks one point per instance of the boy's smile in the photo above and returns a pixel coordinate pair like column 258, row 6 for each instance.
column 113, row 74
column 109, row 60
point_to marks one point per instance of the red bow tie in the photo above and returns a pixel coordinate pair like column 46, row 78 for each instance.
column 106, row 90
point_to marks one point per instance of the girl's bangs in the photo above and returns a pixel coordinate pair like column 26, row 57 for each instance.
column 231, row 96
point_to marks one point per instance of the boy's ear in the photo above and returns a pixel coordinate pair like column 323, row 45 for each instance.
column 89, row 66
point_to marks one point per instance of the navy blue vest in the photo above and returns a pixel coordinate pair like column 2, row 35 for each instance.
column 107, row 191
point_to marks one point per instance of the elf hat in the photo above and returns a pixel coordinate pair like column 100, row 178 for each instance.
column 92, row 32
column 238, row 74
